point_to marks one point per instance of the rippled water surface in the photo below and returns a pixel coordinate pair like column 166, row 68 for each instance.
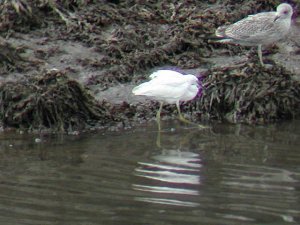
column 234, row 174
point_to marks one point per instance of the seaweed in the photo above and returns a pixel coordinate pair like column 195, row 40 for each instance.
column 10, row 58
column 23, row 15
column 50, row 100
column 250, row 94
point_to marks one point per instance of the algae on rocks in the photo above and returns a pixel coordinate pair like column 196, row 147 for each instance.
column 250, row 94
column 51, row 100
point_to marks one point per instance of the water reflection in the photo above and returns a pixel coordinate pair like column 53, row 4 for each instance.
column 240, row 175
column 171, row 177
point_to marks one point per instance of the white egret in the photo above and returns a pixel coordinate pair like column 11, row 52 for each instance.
column 171, row 87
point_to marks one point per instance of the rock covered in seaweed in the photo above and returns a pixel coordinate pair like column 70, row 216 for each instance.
column 51, row 100
column 250, row 94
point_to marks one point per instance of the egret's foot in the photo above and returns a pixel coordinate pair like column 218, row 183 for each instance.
column 181, row 118
column 203, row 127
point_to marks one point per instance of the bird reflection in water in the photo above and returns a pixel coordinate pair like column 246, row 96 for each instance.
column 171, row 177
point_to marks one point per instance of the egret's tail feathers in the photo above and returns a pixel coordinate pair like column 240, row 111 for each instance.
column 141, row 89
column 136, row 90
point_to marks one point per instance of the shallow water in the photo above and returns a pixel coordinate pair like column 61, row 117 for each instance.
column 232, row 174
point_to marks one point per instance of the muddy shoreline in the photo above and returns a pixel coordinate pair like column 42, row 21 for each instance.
column 71, row 66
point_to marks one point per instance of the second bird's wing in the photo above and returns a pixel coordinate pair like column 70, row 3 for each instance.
column 253, row 28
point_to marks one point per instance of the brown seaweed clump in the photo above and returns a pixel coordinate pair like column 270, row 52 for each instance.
column 51, row 100
column 23, row 15
column 250, row 94
column 10, row 58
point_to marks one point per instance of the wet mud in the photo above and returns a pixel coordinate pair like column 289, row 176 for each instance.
column 70, row 65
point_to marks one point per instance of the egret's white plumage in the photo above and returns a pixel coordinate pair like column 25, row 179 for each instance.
column 259, row 29
column 168, row 86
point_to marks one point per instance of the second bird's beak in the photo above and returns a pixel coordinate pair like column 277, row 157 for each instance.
column 276, row 18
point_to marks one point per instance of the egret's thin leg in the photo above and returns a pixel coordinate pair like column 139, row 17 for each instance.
column 181, row 118
column 259, row 51
column 158, row 139
column 158, row 116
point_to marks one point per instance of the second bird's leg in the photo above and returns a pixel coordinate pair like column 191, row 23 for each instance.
column 259, row 51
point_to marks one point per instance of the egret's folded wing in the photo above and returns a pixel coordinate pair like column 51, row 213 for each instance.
column 160, row 91
column 164, row 73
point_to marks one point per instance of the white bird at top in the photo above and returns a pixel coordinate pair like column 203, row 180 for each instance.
column 171, row 87
column 260, row 29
